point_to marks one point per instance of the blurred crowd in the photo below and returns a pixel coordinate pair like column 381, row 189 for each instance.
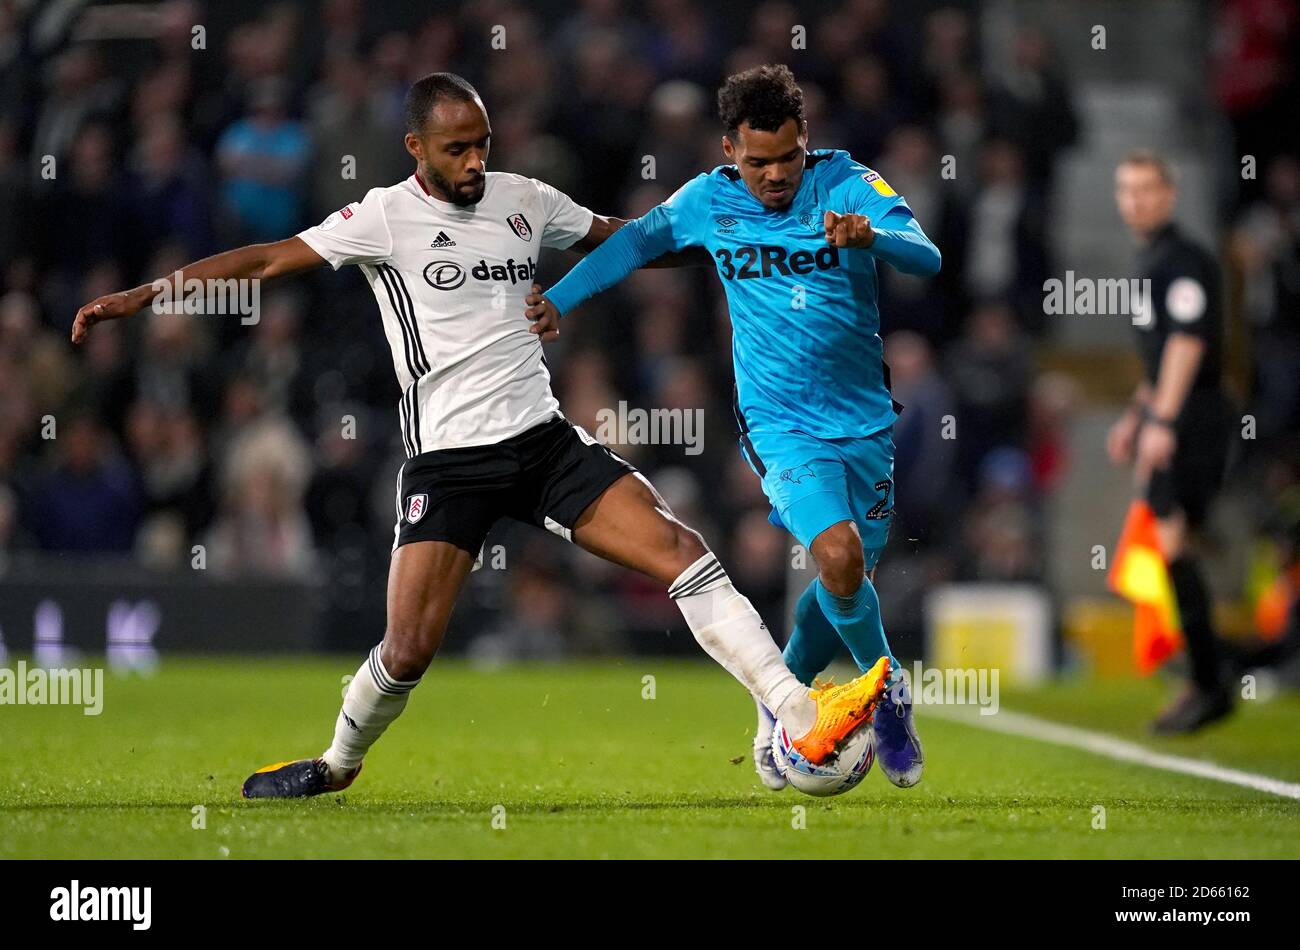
column 126, row 152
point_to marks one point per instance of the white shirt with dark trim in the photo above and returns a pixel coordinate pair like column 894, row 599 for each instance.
column 450, row 282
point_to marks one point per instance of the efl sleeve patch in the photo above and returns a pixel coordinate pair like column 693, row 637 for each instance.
column 1185, row 300
column 355, row 234
column 882, row 187
column 335, row 219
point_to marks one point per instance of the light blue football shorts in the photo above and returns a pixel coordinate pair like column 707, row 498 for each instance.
column 813, row 483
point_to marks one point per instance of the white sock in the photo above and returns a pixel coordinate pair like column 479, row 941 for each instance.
column 763, row 731
column 373, row 700
column 729, row 629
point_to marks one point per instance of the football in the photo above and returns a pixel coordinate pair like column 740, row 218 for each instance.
column 836, row 775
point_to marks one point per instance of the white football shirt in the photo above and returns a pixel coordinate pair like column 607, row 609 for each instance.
column 450, row 282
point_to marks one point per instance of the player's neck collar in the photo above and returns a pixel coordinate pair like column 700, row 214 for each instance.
column 433, row 199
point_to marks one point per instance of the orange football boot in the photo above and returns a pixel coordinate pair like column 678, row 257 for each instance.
column 840, row 711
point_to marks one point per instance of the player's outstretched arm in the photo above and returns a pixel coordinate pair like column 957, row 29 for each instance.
column 259, row 261
column 620, row 248
column 603, row 227
column 631, row 245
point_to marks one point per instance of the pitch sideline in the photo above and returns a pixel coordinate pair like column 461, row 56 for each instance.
column 1099, row 743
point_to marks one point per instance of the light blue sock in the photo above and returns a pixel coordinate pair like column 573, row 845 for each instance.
column 856, row 618
column 813, row 642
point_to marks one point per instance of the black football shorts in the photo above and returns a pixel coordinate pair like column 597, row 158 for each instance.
column 1195, row 475
column 546, row 476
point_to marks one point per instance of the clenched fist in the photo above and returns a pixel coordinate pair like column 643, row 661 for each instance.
column 848, row 230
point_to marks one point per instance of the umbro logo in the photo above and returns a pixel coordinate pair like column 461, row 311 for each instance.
column 442, row 240
column 727, row 225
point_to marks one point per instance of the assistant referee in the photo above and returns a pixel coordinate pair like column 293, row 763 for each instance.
column 1176, row 431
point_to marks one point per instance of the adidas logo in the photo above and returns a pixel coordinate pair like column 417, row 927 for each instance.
column 442, row 240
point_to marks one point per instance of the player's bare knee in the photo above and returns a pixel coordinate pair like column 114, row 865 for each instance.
column 842, row 573
column 840, row 563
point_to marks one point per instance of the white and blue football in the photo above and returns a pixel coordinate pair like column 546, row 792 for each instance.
column 837, row 775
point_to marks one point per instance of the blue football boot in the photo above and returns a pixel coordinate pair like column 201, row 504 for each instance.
column 898, row 747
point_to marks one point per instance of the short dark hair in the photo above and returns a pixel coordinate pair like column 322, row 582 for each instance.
column 425, row 93
column 764, row 96
column 1152, row 159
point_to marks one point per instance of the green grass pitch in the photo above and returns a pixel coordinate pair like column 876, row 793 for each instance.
column 574, row 762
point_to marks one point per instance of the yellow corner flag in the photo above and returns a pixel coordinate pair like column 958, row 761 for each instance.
column 1139, row 574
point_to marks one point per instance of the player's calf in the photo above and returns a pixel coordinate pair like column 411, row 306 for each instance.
column 372, row 701
column 729, row 629
column 424, row 580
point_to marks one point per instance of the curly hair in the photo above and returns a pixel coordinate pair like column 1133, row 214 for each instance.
column 764, row 96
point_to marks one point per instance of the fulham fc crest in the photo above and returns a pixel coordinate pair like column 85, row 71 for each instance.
column 415, row 506
column 520, row 226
